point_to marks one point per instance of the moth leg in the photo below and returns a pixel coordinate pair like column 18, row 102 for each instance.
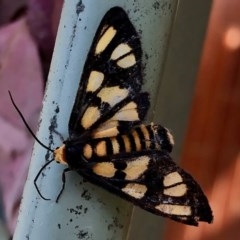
column 63, row 182
column 37, row 176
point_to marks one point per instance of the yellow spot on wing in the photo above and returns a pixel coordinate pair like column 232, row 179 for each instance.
column 176, row 191
column 90, row 116
column 136, row 168
column 120, row 50
column 111, row 132
column 112, row 95
column 94, row 81
column 107, row 125
column 105, row 40
column 171, row 179
column 131, row 105
column 127, row 115
column 104, row 169
column 127, row 61
column 179, row 210
column 135, row 190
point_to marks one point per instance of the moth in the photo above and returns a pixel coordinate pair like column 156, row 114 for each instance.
column 108, row 143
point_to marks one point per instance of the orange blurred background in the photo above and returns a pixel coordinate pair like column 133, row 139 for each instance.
column 213, row 135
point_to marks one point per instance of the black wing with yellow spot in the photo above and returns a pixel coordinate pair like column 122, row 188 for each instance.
column 151, row 180
column 109, row 97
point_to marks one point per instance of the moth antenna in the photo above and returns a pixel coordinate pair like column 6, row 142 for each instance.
column 37, row 176
column 26, row 124
column 34, row 136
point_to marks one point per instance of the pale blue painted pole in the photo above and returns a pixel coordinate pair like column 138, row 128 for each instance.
column 85, row 211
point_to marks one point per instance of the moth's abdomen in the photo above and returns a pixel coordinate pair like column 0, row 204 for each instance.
column 138, row 139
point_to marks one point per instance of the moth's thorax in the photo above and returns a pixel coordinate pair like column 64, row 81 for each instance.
column 60, row 154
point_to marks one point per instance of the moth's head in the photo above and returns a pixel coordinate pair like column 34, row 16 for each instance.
column 59, row 154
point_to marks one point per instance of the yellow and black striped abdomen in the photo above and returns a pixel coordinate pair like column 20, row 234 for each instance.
column 138, row 139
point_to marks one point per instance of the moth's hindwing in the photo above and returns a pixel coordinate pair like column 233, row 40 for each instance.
column 154, row 182
column 109, row 92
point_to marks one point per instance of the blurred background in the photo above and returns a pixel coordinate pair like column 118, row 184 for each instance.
column 204, row 55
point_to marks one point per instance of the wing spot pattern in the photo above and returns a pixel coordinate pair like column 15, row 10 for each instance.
column 105, row 39
column 179, row 210
column 171, row 179
column 108, row 132
column 113, row 95
column 135, row 190
column 176, row 191
column 120, row 50
column 131, row 105
column 107, row 125
column 91, row 115
column 127, row 113
column 127, row 61
column 104, row 169
column 136, row 168
column 94, row 81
